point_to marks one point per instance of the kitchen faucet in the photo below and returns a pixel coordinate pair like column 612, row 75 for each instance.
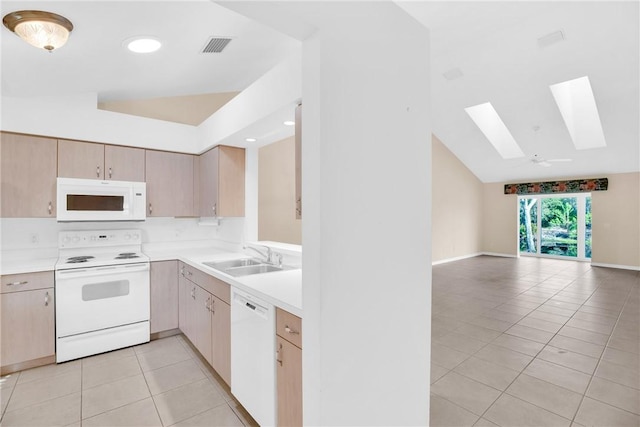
column 268, row 255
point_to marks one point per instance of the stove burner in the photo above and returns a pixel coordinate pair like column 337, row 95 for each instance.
column 127, row 255
column 77, row 259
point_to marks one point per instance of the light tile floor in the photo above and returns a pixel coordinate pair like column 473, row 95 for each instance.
column 534, row 342
column 515, row 342
column 162, row 383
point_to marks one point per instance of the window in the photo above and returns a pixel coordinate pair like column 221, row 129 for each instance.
column 556, row 226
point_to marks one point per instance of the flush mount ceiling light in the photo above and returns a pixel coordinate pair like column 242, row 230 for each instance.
column 289, row 123
column 142, row 44
column 578, row 108
column 250, row 139
column 492, row 126
column 44, row 30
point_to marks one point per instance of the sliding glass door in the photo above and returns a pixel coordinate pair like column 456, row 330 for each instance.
column 556, row 226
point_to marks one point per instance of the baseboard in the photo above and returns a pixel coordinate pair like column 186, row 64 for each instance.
column 458, row 258
column 499, row 254
column 164, row 334
column 21, row 366
column 619, row 266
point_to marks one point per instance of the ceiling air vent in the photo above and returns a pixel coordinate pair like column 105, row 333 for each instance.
column 216, row 45
column 550, row 39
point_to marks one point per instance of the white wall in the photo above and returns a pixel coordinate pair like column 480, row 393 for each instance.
column 78, row 117
column 366, row 225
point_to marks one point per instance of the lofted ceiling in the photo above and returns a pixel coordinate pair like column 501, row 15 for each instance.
column 494, row 44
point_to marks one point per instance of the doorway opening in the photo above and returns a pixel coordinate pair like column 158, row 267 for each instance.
column 556, row 226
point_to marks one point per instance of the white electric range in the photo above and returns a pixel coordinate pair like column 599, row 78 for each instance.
column 102, row 292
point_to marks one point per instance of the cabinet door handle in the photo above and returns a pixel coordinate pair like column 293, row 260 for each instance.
column 24, row 282
column 206, row 304
column 46, row 299
column 214, row 209
column 110, row 172
column 290, row 331
column 50, row 208
column 212, row 306
column 299, row 206
column 182, row 270
column 150, row 208
column 193, row 293
column 279, row 354
column 190, row 273
column 98, row 171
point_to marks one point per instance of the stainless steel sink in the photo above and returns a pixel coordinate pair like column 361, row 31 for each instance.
column 253, row 269
column 244, row 266
column 223, row 265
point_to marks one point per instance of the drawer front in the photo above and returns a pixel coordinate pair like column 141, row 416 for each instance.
column 27, row 281
column 215, row 286
column 209, row 283
column 289, row 327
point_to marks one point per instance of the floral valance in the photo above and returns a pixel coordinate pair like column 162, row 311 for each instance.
column 551, row 187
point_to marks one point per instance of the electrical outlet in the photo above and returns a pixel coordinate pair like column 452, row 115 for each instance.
column 34, row 238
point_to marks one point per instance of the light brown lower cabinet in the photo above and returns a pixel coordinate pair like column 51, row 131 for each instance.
column 205, row 318
column 164, row 294
column 186, row 305
column 221, row 338
column 27, row 322
column 289, row 368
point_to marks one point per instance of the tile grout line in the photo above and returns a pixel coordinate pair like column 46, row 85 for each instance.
column 600, row 359
column 502, row 392
column 148, row 388
column 4, row 411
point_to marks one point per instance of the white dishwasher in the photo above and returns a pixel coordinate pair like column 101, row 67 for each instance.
column 253, row 371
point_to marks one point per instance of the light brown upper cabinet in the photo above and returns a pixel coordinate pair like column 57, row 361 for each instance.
column 124, row 163
column 77, row 159
column 169, row 179
column 28, row 176
column 222, row 182
column 298, row 139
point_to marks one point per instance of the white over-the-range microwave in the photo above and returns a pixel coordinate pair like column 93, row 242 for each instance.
column 97, row 200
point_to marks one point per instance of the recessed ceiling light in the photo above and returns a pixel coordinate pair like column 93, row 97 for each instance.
column 289, row 123
column 250, row 139
column 143, row 44
column 492, row 126
column 580, row 113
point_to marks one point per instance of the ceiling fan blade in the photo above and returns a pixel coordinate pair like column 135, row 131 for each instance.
column 560, row 160
column 544, row 164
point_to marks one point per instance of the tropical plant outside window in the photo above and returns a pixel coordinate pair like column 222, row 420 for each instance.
column 556, row 226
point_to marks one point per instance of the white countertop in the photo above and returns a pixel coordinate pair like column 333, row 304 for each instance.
column 282, row 288
column 19, row 266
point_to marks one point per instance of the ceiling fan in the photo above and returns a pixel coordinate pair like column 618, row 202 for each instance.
column 541, row 161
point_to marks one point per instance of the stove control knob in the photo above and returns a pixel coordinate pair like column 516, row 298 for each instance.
column 76, row 239
column 127, row 236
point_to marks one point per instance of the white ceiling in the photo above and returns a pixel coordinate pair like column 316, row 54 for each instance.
column 495, row 46
column 493, row 43
column 95, row 61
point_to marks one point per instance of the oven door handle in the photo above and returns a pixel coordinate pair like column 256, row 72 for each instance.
column 96, row 271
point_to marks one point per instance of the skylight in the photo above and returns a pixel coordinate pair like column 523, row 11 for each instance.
column 578, row 108
column 492, row 126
